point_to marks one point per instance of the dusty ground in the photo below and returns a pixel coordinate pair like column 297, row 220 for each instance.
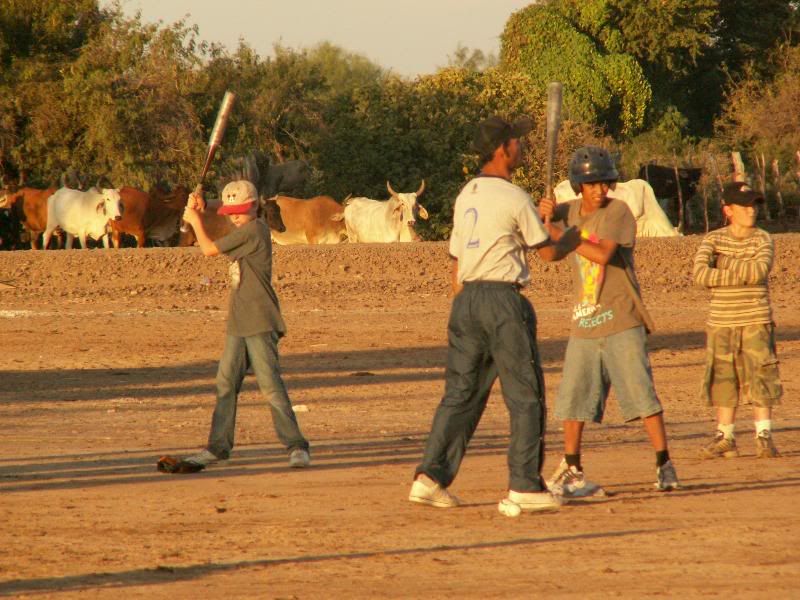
column 108, row 360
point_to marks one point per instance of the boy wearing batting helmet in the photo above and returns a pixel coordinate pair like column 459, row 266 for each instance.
column 492, row 327
column 607, row 343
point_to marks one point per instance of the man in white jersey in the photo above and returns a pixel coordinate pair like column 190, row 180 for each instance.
column 492, row 327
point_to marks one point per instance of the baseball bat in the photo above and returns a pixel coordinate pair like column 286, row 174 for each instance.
column 554, row 90
column 214, row 141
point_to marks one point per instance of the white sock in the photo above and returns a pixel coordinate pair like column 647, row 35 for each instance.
column 763, row 425
column 727, row 430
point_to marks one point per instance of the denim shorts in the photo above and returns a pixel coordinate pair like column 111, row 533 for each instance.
column 592, row 366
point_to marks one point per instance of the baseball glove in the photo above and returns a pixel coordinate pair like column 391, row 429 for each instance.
column 171, row 464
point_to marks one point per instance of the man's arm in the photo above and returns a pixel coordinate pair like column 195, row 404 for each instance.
column 561, row 241
column 707, row 276
column 456, row 287
column 599, row 252
column 207, row 245
column 753, row 270
column 560, row 244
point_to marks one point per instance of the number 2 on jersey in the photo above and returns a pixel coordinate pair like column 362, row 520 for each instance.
column 471, row 215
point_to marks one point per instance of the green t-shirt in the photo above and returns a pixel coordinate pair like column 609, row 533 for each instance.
column 254, row 306
column 604, row 304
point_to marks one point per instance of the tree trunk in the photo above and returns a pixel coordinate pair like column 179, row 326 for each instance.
column 761, row 175
column 719, row 219
column 680, row 195
column 776, row 183
column 739, row 174
column 797, row 173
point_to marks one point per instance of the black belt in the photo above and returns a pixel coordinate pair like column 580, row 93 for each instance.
column 494, row 284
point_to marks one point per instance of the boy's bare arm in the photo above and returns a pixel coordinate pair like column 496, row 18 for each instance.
column 598, row 252
column 207, row 245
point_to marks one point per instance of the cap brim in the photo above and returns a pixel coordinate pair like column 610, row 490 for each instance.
column 521, row 127
column 746, row 199
column 235, row 209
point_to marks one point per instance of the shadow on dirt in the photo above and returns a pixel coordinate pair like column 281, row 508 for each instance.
column 311, row 370
column 164, row 574
column 138, row 466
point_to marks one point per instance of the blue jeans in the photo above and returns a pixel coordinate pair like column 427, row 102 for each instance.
column 261, row 352
column 593, row 365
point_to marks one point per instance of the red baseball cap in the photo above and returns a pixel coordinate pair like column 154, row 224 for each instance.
column 238, row 198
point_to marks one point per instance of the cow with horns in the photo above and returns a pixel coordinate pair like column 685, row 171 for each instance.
column 391, row 220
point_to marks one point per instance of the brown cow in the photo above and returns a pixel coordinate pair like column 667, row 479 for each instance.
column 218, row 226
column 164, row 215
column 317, row 220
column 29, row 205
column 154, row 215
column 136, row 204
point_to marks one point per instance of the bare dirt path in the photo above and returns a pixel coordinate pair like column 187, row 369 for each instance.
column 108, row 361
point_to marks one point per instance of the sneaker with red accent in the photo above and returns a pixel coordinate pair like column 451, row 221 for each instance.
column 569, row 482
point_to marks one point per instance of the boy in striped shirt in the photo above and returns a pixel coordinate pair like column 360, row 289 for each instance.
column 741, row 365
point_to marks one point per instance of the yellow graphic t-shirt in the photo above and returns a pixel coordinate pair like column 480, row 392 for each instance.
column 603, row 302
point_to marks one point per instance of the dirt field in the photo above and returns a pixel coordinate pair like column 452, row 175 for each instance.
column 108, row 361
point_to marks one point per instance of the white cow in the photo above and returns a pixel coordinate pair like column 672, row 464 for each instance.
column 82, row 214
column 651, row 220
column 391, row 220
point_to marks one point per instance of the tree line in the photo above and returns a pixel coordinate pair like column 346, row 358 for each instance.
column 676, row 81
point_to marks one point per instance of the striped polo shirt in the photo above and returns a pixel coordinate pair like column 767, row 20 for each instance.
column 737, row 272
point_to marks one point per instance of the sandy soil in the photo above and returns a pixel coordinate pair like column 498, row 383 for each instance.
column 108, row 361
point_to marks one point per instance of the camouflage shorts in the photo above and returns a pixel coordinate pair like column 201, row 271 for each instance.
column 741, row 367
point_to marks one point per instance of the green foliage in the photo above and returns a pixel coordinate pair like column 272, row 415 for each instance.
column 600, row 86
column 111, row 96
column 128, row 96
column 664, row 144
column 44, row 27
column 38, row 39
column 406, row 131
column 472, row 60
column 343, row 71
column 761, row 115
column 665, row 35
column 651, row 56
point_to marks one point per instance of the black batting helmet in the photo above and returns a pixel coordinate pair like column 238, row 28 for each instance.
column 590, row 164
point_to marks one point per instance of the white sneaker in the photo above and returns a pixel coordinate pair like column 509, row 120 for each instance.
column 535, row 501
column 203, row 459
column 299, row 458
column 569, row 482
column 425, row 490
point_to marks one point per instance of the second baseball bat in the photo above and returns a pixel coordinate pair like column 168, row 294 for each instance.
column 554, row 90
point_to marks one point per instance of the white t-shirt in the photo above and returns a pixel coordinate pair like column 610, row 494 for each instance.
column 494, row 222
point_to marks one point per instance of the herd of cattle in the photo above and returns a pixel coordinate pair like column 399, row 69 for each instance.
column 108, row 214
column 28, row 215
